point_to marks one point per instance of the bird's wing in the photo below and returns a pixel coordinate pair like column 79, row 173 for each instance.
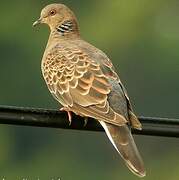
column 79, row 82
column 109, row 71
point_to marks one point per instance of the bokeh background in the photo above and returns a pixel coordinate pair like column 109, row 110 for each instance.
column 142, row 39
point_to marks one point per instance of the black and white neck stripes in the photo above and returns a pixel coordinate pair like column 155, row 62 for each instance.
column 65, row 27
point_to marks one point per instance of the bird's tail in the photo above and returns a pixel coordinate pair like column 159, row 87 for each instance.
column 122, row 140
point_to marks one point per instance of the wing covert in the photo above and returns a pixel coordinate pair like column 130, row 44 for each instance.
column 75, row 80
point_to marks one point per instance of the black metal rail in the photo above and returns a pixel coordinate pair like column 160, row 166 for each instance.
column 55, row 119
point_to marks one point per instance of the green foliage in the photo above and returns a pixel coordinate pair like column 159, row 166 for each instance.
column 141, row 38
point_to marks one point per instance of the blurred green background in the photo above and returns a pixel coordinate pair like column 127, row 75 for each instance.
column 141, row 37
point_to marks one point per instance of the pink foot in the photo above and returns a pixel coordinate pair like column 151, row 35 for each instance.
column 69, row 114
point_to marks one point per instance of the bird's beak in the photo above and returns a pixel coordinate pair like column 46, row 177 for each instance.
column 39, row 21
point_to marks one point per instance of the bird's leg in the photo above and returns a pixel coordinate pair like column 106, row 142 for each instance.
column 85, row 121
column 85, row 118
column 69, row 114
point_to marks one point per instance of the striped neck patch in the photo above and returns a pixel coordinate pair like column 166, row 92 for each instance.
column 65, row 27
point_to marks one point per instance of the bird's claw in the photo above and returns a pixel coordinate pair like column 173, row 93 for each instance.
column 69, row 114
column 85, row 121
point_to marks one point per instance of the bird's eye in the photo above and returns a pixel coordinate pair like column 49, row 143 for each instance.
column 52, row 12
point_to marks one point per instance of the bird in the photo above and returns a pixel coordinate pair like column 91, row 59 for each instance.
column 84, row 81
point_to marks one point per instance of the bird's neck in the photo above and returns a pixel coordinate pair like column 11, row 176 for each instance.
column 66, row 29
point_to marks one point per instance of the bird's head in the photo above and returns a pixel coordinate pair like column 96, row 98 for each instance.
column 55, row 15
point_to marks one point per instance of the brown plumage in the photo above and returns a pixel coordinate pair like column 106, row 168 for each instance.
column 82, row 78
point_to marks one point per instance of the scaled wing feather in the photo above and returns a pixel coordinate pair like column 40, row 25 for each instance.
column 81, row 84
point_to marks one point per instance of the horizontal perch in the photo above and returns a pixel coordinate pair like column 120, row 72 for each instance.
column 55, row 119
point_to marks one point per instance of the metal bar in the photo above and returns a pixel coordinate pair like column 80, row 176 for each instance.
column 55, row 119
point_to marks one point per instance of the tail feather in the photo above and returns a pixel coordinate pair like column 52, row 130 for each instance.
column 122, row 140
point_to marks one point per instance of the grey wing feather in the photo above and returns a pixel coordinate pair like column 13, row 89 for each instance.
column 117, row 99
